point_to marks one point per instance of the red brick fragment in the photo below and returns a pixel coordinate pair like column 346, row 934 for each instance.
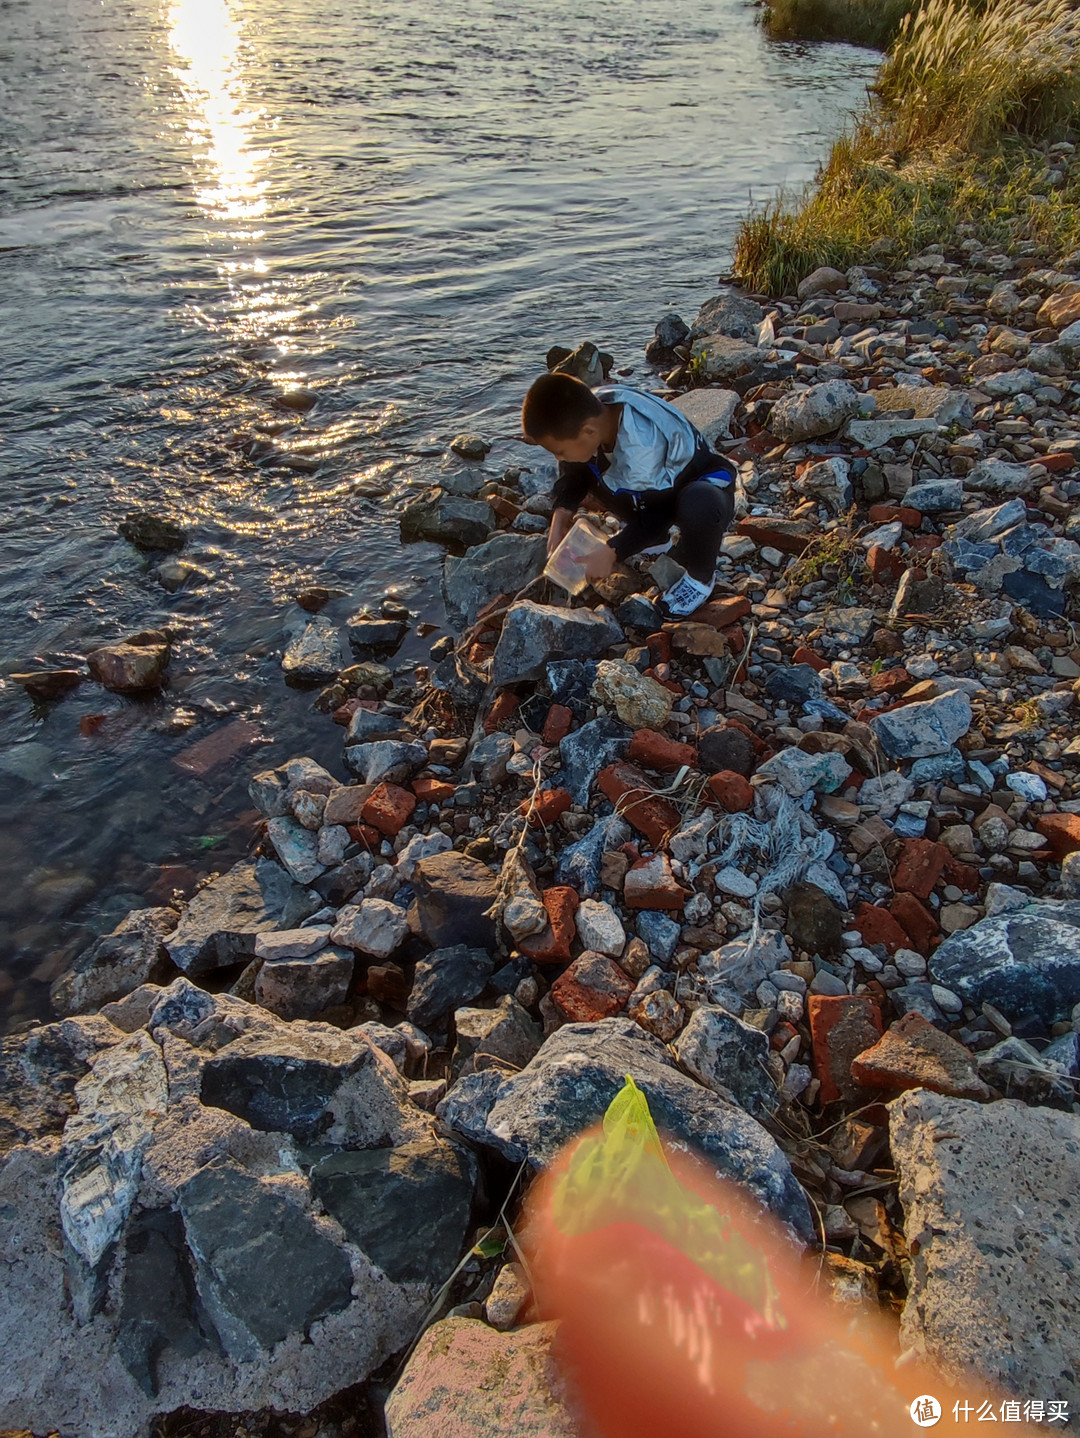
column 732, row 790
column 721, row 613
column 550, row 803
column 659, row 751
column 919, row 866
column 552, row 945
column 918, row 923
column 841, row 1027
column 650, row 884
column 430, row 790
column 877, row 926
column 659, row 647
column 557, row 724
column 964, row 876
column 1061, row 832
column 889, row 681
column 364, row 834
column 924, row 544
column 884, row 565
column 889, row 513
column 1057, row 463
column 344, row 712
column 803, row 655
column 651, row 815
column 389, row 809
column 735, row 638
column 591, row 989
column 219, row 746
column 501, row 710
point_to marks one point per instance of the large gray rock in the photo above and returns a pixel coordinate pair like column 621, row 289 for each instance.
column 568, row 1086
column 389, row 761
column 710, row 411
column 729, row 314
column 263, row 1267
column 408, row 1208
column 38, row 1074
column 587, row 750
column 989, row 1194
column 918, row 731
column 219, row 924
column 1025, row 962
column 444, row 981
column 502, row 565
column 736, row 362
column 300, row 988
column 319, row 1084
column 445, row 519
column 999, row 476
column 821, row 409
column 453, row 895
column 728, row 1056
column 117, row 963
column 199, row 1267
column 934, row 401
column 533, row 634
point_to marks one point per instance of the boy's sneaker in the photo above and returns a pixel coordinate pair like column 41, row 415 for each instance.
column 684, row 597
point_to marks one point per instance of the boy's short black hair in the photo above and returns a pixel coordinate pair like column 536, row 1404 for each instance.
column 556, row 407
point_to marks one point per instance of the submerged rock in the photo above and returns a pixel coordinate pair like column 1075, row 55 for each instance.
column 152, row 532
column 134, row 666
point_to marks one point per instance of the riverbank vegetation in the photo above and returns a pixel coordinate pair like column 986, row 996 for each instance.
column 957, row 141
column 859, row 22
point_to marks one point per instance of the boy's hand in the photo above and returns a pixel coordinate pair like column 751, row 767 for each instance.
column 600, row 564
column 561, row 523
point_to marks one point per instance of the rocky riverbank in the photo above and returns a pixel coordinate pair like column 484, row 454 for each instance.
column 803, row 865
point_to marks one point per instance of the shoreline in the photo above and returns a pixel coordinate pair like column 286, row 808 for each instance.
column 804, row 995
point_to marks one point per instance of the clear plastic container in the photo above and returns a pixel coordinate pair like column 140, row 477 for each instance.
column 567, row 564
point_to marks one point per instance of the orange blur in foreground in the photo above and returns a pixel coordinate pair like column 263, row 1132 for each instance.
column 684, row 1310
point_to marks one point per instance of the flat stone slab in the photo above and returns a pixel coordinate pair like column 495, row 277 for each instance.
column 465, row 1380
column 989, row 1194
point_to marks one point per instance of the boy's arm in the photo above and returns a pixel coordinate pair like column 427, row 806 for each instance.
column 570, row 489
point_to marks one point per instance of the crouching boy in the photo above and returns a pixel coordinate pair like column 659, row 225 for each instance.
column 644, row 461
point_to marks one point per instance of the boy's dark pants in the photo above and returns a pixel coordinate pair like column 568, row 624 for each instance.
column 702, row 511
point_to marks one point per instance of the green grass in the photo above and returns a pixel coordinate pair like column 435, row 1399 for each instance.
column 954, row 144
column 859, row 22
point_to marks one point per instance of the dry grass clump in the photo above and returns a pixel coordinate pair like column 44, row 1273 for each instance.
column 873, row 23
column 953, row 143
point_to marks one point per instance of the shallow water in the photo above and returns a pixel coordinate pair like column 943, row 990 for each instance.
column 206, row 202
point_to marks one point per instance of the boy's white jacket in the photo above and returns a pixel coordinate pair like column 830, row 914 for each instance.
column 655, row 442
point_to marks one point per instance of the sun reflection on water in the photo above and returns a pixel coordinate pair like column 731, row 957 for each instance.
column 207, row 39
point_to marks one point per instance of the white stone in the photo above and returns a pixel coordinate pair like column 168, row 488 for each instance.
column 600, row 928
column 292, row 943
column 734, row 882
column 374, row 926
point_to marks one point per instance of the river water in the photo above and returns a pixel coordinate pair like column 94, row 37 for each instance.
column 204, row 203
